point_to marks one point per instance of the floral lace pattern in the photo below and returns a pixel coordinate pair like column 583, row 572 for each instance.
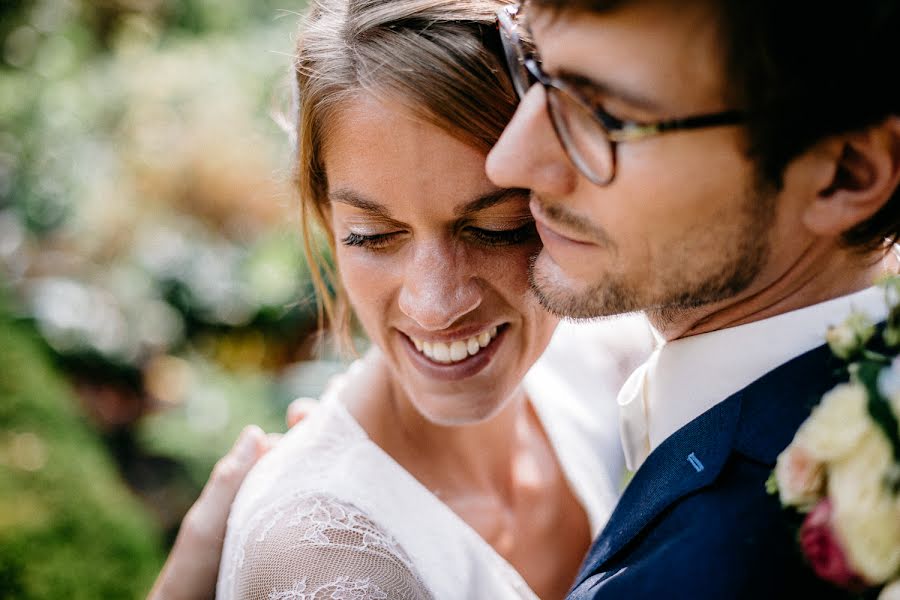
column 312, row 546
column 341, row 589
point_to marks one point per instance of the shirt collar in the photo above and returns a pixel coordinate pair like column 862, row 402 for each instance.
column 684, row 378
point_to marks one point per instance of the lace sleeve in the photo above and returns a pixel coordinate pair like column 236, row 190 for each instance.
column 320, row 548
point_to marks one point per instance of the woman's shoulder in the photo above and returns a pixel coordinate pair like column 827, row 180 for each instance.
column 317, row 450
column 612, row 346
column 317, row 545
column 586, row 363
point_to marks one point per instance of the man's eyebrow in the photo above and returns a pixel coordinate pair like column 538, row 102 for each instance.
column 490, row 199
column 591, row 87
column 352, row 198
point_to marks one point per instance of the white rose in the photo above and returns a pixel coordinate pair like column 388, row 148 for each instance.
column 800, row 477
column 891, row 591
column 866, row 515
column 837, row 424
column 842, row 340
column 851, row 335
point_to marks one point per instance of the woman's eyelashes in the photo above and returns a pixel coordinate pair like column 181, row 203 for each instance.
column 372, row 242
column 504, row 237
column 485, row 237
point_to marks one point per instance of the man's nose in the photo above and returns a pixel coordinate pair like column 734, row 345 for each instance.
column 529, row 154
column 440, row 287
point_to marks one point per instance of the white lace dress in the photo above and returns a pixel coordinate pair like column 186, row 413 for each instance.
column 329, row 515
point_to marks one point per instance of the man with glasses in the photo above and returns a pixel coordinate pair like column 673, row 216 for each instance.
column 731, row 169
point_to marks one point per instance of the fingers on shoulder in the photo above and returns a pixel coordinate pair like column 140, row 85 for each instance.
column 231, row 469
column 299, row 409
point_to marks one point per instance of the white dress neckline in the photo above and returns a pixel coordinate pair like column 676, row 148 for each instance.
column 327, row 487
column 429, row 496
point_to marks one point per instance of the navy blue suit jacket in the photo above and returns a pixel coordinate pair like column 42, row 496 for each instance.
column 696, row 521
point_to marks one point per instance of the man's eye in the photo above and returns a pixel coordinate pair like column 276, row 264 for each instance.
column 505, row 237
column 371, row 242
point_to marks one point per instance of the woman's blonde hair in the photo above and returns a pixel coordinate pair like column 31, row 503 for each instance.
column 440, row 59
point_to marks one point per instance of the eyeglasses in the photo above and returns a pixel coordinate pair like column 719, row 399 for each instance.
column 587, row 133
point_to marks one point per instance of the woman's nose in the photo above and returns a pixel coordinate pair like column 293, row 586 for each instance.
column 440, row 287
column 529, row 154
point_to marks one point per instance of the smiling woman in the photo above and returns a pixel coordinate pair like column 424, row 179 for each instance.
column 450, row 464
column 435, row 259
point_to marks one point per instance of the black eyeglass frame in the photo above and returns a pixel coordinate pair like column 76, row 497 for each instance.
column 615, row 130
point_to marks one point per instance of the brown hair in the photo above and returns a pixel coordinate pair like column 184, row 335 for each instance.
column 438, row 58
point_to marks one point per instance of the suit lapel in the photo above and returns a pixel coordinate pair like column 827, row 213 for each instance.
column 758, row 422
column 687, row 461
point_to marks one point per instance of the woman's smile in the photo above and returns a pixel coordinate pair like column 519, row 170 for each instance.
column 454, row 360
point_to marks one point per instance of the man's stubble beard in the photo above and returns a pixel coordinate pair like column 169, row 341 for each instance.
column 745, row 255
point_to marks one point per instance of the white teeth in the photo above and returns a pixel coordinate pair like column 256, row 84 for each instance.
column 458, row 351
column 441, row 352
column 455, row 351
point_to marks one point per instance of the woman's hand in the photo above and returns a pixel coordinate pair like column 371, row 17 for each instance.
column 192, row 567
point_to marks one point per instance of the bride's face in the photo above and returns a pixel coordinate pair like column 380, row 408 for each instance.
column 434, row 259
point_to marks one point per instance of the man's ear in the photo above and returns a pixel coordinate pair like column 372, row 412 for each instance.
column 863, row 174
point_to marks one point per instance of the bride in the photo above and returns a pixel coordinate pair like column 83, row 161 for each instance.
column 465, row 467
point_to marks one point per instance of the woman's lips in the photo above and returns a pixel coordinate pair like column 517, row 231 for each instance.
column 454, row 371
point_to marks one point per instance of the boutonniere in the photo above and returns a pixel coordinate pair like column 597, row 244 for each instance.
column 841, row 473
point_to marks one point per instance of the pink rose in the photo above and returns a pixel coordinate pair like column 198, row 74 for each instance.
column 800, row 477
column 824, row 552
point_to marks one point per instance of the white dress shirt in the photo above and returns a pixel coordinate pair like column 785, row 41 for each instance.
column 685, row 377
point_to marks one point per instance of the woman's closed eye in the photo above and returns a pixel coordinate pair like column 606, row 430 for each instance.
column 486, row 237
column 504, row 237
column 375, row 241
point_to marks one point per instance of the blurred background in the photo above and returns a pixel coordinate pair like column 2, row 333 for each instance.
column 153, row 295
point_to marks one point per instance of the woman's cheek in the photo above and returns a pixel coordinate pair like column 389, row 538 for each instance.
column 508, row 264
column 366, row 278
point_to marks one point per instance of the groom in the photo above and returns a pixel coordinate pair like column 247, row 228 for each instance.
column 746, row 214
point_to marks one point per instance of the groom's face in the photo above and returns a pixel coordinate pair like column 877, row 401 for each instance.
column 683, row 222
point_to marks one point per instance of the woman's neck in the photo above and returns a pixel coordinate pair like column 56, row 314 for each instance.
column 451, row 460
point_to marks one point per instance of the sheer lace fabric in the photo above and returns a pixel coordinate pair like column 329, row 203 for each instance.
column 317, row 547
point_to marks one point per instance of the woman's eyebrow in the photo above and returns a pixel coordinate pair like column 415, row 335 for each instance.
column 490, row 199
column 352, row 198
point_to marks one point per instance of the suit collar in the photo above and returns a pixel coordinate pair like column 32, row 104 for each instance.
column 758, row 422
column 688, row 376
column 688, row 460
column 776, row 405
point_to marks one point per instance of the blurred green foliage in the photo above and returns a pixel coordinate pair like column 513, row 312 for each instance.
column 151, row 258
column 69, row 527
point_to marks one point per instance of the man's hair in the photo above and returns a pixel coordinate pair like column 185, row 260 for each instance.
column 804, row 71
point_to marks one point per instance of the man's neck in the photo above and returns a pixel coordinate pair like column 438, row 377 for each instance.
column 808, row 281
